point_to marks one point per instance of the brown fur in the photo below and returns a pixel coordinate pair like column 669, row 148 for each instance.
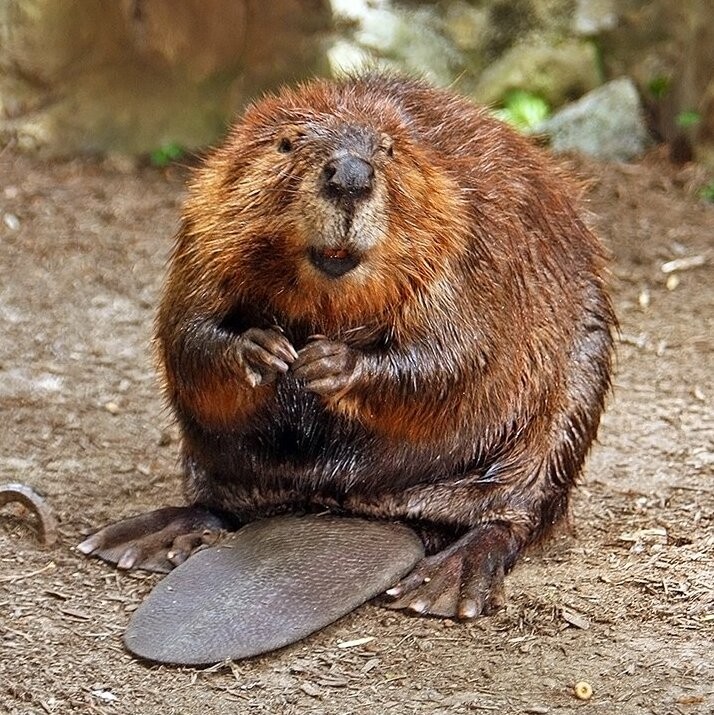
column 475, row 332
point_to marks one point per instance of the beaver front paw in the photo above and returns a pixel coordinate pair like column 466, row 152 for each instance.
column 155, row 541
column 327, row 367
column 464, row 580
column 265, row 354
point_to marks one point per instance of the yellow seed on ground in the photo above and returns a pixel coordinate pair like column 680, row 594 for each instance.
column 583, row 690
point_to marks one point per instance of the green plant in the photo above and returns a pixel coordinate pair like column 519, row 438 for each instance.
column 659, row 86
column 165, row 154
column 523, row 109
column 707, row 192
column 688, row 118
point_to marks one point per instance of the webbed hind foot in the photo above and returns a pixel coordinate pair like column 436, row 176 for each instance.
column 155, row 541
column 465, row 580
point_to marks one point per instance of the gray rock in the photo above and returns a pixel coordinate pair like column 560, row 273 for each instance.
column 606, row 123
column 592, row 17
column 394, row 36
column 554, row 72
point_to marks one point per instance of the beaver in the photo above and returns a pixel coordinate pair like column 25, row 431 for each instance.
column 382, row 303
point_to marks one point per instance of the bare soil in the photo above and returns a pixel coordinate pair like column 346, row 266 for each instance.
column 623, row 600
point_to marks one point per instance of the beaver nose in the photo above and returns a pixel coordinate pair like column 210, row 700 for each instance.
column 348, row 177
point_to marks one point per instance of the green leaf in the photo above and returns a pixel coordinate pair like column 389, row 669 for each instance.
column 523, row 109
column 688, row 118
column 659, row 86
column 165, row 154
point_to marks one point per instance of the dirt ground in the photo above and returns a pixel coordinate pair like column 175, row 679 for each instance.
column 624, row 600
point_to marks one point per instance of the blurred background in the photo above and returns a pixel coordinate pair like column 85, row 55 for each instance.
column 160, row 78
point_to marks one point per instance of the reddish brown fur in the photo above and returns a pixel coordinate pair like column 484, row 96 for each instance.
column 476, row 331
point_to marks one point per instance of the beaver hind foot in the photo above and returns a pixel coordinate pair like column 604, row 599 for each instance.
column 155, row 541
column 273, row 582
column 465, row 580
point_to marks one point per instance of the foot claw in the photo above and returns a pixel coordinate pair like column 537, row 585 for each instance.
column 89, row 545
column 468, row 608
column 419, row 605
column 128, row 559
column 176, row 557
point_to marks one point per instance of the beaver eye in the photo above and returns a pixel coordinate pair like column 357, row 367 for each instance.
column 285, row 145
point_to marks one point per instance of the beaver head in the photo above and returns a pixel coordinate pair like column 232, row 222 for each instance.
column 341, row 214
column 326, row 206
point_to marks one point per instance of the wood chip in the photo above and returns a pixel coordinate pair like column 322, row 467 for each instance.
column 575, row 619
column 655, row 534
column 673, row 281
column 356, row 642
column 644, row 298
column 683, row 264
column 31, row 500
column 75, row 613
column 309, row 689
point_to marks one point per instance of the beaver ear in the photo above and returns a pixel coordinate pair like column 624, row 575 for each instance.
column 386, row 144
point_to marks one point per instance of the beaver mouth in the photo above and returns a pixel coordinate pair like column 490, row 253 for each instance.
column 333, row 262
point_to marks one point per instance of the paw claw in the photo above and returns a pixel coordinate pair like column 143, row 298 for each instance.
column 177, row 557
column 265, row 354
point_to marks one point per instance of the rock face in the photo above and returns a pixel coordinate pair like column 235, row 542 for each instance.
column 134, row 75
column 606, row 123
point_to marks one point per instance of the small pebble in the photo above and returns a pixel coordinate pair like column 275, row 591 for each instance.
column 644, row 299
column 112, row 408
column 583, row 690
column 672, row 281
column 105, row 695
column 11, row 221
